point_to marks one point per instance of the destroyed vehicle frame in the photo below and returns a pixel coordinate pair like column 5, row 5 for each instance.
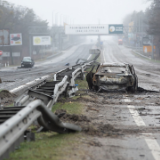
column 112, row 77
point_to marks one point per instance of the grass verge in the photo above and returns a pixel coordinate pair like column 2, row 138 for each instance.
column 48, row 146
column 70, row 107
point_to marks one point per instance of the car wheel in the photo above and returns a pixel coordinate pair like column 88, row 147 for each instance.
column 96, row 88
column 89, row 80
column 134, row 88
column 131, row 89
column 136, row 84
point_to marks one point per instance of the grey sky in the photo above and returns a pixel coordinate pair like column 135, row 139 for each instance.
column 84, row 11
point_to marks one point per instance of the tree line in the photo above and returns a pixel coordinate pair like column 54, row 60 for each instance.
column 149, row 20
column 18, row 19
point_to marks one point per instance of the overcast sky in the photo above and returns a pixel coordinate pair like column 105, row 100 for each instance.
column 84, row 11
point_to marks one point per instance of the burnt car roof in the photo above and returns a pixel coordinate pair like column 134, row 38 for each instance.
column 115, row 64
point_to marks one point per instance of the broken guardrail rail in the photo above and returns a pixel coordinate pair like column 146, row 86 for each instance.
column 36, row 105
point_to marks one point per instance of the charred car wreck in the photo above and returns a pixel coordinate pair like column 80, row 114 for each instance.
column 112, row 77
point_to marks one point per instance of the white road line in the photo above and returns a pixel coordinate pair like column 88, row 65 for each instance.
column 139, row 121
column 153, row 146
column 104, row 56
column 109, row 70
column 89, row 57
column 149, row 137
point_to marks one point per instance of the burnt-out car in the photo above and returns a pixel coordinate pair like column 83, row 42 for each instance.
column 27, row 62
column 112, row 77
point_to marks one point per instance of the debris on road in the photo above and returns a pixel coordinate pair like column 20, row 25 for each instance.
column 63, row 115
column 140, row 89
column 6, row 97
column 8, row 81
column 93, row 109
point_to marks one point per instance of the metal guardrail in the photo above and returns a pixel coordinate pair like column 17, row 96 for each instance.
column 37, row 104
column 138, row 48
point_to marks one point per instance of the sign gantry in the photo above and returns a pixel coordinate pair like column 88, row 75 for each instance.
column 94, row 29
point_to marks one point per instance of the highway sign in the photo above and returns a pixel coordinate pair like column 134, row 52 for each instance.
column 98, row 29
column 1, row 52
column 115, row 28
column 86, row 29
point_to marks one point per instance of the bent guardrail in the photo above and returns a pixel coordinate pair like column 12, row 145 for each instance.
column 36, row 104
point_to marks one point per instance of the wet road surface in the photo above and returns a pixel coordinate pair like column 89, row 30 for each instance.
column 15, row 77
column 134, row 119
column 137, row 116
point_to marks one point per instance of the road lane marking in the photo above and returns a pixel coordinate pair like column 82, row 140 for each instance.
column 89, row 57
column 104, row 56
column 109, row 70
column 139, row 121
column 153, row 145
column 151, row 142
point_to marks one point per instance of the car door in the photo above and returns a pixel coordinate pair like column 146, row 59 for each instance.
column 134, row 74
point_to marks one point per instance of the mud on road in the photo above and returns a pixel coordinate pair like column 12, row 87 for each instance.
column 109, row 127
column 6, row 98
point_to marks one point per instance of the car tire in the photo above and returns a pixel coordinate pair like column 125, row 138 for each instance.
column 89, row 80
column 134, row 88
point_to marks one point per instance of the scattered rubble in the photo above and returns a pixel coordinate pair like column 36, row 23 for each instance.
column 95, row 143
column 6, row 97
column 64, row 116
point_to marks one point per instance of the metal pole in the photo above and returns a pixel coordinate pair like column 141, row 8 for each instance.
column 152, row 47
column 30, row 45
column 52, row 18
column 56, row 21
column 62, row 19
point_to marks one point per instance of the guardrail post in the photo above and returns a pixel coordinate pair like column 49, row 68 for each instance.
column 55, row 77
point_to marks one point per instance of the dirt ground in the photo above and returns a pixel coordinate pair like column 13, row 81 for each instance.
column 6, row 98
column 106, row 122
column 118, row 125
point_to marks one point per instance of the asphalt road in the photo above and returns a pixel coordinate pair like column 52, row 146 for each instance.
column 136, row 115
column 15, row 77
